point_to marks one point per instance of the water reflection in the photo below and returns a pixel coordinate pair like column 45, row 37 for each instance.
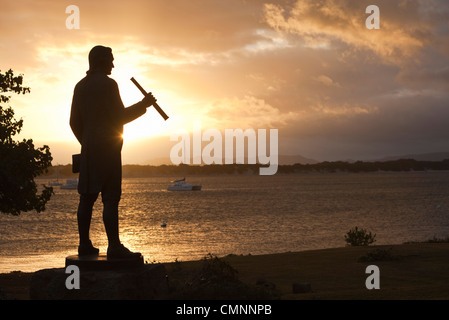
column 237, row 214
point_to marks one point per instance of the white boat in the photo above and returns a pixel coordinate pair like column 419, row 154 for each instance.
column 70, row 184
column 181, row 185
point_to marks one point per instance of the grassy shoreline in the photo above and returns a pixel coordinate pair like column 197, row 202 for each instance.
column 413, row 271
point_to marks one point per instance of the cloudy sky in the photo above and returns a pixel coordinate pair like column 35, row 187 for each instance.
column 309, row 68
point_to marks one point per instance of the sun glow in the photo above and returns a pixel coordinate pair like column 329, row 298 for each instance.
column 146, row 126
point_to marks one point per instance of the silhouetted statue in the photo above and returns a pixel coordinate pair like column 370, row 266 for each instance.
column 97, row 118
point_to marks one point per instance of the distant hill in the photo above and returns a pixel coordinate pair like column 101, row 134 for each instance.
column 294, row 159
column 283, row 160
column 435, row 156
column 287, row 159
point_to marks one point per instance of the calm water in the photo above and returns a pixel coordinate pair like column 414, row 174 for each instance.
column 239, row 215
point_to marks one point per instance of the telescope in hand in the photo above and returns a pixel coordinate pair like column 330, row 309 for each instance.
column 155, row 105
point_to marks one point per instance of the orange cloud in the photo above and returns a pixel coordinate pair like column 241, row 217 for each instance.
column 320, row 23
column 246, row 112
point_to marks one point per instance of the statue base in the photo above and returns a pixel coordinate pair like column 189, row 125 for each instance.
column 102, row 262
column 101, row 278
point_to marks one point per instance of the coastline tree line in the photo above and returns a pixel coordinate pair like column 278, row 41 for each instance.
column 141, row 171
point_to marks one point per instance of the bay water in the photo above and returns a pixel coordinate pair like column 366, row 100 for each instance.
column 236, row 214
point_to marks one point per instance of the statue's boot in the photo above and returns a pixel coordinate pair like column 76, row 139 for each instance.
column 87, row 249
column 121, row 252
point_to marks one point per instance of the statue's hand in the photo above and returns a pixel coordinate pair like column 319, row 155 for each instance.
column 149, row 100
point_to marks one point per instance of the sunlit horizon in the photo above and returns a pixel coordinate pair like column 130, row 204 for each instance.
column 311, row 69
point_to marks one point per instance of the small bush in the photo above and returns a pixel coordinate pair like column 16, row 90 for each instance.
column 214, row 279
column 438, row 240
column 432, row 240
column 377, row 255
column 362, row 237
column 213, row 267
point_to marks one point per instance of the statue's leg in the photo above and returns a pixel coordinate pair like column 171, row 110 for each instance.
column 84, row 217
column 111, row 194
column 110, row 219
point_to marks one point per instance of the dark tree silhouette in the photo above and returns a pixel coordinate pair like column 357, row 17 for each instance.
column 20, row 162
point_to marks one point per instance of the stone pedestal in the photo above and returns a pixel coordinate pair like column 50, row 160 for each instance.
column 102, row 262
column 102, row 279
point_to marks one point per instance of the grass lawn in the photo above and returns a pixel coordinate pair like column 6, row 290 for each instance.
column 418, row 271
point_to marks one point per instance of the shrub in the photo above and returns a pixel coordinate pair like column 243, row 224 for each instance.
column 377, row 255
column 362, row 237
column 215, row 279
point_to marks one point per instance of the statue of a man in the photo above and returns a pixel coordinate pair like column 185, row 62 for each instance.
column 97, row 118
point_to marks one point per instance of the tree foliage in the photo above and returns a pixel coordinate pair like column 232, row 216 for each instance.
column 20, row 161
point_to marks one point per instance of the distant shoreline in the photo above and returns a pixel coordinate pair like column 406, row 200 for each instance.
column 143, row 171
